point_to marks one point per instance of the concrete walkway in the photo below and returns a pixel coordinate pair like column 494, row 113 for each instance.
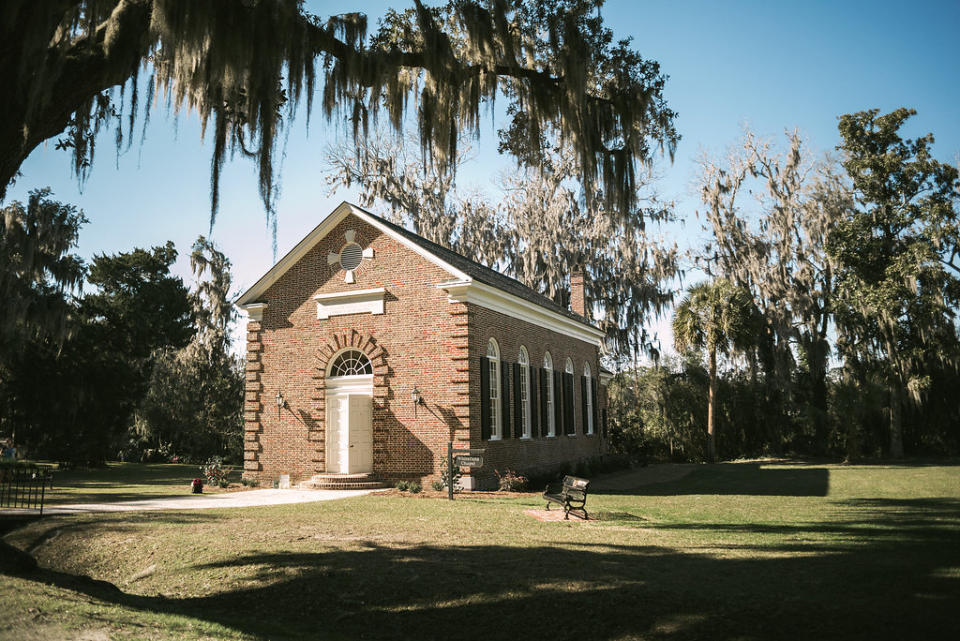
column 249, row 498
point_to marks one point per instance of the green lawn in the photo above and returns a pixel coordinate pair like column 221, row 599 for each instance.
column 731, row 551
column 125, row 482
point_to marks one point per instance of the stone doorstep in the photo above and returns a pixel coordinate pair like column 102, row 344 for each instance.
column 332, row 481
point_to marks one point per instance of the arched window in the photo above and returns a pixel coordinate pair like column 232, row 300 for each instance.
column 524, row 392
column 351, row 363
column 551, row 412
column 493, row 354
column 569, row 367
column 588, row 401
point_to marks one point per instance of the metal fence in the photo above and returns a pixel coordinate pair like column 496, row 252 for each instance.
column 24, row 486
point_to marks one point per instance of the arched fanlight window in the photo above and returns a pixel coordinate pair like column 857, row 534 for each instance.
column 588, row 386
column 524, row 360
column 493, row 354
column 551, row 412
column 569, row 366
column 351, row 363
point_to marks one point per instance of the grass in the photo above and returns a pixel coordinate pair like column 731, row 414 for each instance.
column 730, row 551
column 125, row 482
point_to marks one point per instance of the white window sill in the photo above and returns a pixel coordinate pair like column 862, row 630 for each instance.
column 495, row 438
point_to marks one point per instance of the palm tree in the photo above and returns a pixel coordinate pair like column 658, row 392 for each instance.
column 719, row 317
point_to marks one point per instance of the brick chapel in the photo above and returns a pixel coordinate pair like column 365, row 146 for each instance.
column 370, row 347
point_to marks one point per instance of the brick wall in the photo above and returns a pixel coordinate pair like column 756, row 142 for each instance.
column 421, row 339
column 542, row 453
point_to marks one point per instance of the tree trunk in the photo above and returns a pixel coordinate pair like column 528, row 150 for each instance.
column 896, row 420
column 711, row 408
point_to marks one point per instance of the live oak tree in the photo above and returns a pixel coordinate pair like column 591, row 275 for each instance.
column 246, row 65
column 37, row 272
column 775, row 247
column 898, row 255
column 38, row 276
column 718, row 317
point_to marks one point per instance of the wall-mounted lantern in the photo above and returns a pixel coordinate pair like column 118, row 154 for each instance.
column 417, row 399
column 281, row 403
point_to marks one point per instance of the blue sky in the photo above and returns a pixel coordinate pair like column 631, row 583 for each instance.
column 770, row 65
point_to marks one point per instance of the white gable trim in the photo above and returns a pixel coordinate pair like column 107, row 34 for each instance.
column 471, row 291
column 319, row 233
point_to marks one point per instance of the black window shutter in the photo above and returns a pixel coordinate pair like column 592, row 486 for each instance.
column 544, row 408
column 558, row 402
column 534, row 385
column 505, row 397
column 484, row 398
column 583, row 404
column 568, row 404
column 517, row 402
column 593, row 394
column 603, row 414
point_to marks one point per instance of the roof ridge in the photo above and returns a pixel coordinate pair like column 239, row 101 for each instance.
column 543, row 301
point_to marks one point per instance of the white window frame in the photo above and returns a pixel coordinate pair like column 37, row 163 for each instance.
column 589, row 399
column 524, row 392
column 569, row 369
column 493, row 354
column 551, row 397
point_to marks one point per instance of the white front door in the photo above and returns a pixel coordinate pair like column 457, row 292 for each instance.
column 349, row 447
column 361, row 434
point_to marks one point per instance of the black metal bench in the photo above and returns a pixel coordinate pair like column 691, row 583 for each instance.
column 572, row 496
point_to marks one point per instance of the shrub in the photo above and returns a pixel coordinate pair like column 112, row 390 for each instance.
column 450, row 475
column 250, row 482
column 437, row 486
column 510, row 481
column 403, row 486
column 214, row 471
column 414, row 488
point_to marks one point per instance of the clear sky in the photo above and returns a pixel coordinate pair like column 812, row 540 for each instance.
column 771, row 65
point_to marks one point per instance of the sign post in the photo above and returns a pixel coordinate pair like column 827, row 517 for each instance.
column 465, row 457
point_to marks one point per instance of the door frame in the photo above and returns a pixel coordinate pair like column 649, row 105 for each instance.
column 343, row 387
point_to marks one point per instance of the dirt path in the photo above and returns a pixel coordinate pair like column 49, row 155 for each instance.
column 205, row 501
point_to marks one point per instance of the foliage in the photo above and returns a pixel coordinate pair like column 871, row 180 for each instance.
column 37, row 272
column 777, row 251
column 510, row 481
column 898, row 278
column 245, row 67
column 403, row 485
column 539, row 231
column 450, row 474
column 437, row 486
column 193, row 404
column 100, row 371
column 215, row 472
column 717, row 317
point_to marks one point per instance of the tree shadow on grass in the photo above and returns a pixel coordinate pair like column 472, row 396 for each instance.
column 897, row 579
column 743, row 478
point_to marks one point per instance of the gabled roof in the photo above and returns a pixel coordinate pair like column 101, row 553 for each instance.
column 463, row 270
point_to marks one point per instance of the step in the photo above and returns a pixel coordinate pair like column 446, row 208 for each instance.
column 330, row 481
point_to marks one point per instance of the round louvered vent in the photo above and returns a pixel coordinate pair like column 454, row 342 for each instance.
column 351, row 256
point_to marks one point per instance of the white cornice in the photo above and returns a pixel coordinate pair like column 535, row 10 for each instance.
column 471, row 291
